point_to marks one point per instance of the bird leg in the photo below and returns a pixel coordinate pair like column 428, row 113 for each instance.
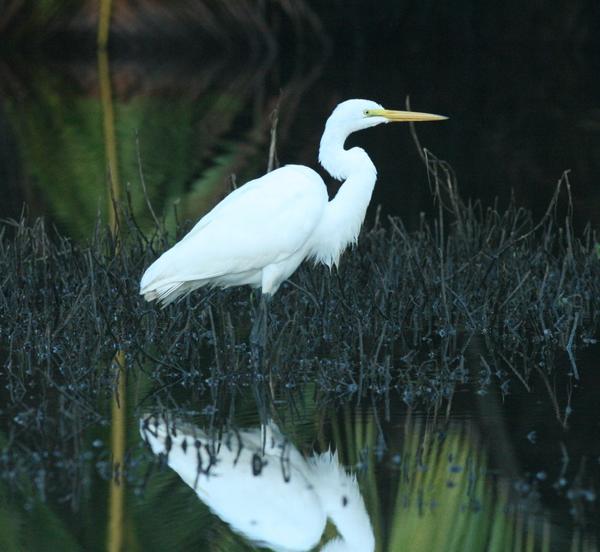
column 258, row 333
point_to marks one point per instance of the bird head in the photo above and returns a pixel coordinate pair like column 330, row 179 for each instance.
column 353, row 115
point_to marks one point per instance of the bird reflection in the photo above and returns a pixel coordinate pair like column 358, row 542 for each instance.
column 259, row 483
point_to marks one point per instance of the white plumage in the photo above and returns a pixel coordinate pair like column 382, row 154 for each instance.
column 261, row 232
column 258, row 482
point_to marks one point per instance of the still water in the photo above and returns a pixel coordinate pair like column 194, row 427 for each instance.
column 520, row 116
column 488, row 471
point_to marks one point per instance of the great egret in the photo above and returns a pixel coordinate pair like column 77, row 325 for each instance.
column 258, row 482
column 261, row 232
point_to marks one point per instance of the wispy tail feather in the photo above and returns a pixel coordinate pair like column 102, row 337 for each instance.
column 166, row 294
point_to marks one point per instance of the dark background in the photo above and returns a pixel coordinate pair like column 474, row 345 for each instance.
column 198, row 81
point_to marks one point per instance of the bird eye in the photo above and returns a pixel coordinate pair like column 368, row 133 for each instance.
column 366, row 112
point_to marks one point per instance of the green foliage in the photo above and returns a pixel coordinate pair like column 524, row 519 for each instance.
column 63, row 151
column 37, row 529
column 438, row 495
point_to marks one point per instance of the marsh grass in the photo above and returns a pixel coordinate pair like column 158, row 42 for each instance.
column 478, row 297
column 405, row 308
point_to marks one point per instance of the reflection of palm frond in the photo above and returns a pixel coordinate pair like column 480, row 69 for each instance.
column 62, row 147
column 189, row 150
column 440, row 483
column 50, row 531
column 433, row 492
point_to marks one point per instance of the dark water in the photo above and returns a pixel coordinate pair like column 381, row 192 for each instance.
column 497, row 464
column 489, row 471
column 520, row 115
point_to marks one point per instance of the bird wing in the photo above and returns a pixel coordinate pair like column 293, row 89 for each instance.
column 263, row 222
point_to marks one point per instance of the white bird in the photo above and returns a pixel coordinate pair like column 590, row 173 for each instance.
column 256, row 481
column 261, row 232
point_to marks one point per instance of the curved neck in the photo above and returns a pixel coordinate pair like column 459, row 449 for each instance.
column 338, row 161
column 346, row 212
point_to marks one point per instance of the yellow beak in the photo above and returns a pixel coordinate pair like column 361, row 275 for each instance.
column 403, row 116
